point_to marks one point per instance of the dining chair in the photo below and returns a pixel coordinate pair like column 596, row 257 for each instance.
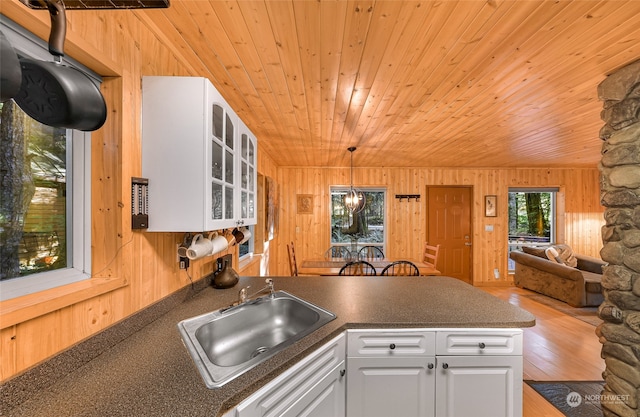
column 338, row 252
column 293, row 265
column 431, row 254
column 401, row 268
column 370, row 252
column 358, row 268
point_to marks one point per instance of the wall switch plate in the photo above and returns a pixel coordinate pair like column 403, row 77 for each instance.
column 496, row 273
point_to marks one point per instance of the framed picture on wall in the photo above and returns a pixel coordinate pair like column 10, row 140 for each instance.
column 305, row 204
column 490, row 209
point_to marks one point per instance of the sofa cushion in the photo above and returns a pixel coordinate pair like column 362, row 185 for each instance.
column 592, row 282
column 591, row 264
column 534, row 251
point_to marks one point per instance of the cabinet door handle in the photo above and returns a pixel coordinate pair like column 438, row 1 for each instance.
column 481, row 345
column 430, row 366
column 445, row 366
column 392, row 346
column 342, row 372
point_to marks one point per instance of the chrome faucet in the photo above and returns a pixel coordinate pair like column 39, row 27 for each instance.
column 243, row 297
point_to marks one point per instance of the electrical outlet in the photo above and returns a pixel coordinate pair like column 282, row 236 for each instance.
column 496, row 273
column 184, row 263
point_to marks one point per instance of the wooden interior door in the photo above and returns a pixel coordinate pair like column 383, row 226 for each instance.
column 449, row 225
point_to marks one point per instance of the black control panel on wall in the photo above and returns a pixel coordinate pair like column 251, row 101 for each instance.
column 139, row 203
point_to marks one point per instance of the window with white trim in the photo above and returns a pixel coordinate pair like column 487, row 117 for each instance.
column 45, row 217
column 355, row 230
column 532, row 218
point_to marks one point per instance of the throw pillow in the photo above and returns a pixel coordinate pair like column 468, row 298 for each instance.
column 553, row 255
column 567, row 256
column 562, row 254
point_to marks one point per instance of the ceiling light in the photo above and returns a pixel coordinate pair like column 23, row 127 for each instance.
column 354, row 201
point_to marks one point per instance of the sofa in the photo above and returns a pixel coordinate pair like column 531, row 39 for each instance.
column 578, row 286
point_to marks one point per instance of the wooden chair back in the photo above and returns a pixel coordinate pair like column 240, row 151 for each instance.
column 431, row 254
column 338, row 252
column 401, row 268
column 293, row 265
column 358, row 268
column 370, row 252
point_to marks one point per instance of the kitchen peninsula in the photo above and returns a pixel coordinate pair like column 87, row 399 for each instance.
column 150, row 372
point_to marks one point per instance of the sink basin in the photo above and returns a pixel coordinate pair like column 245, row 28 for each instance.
column 228, row 342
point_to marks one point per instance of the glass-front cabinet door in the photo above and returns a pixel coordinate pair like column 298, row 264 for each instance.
column 248, row 175
column 217, row 163
column 223, row 149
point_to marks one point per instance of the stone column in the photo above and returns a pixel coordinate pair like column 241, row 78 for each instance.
column 620, row 195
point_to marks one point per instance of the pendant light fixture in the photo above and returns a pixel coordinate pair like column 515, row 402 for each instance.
column 354, row 201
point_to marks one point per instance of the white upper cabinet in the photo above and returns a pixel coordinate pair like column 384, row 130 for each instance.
column 193, row 153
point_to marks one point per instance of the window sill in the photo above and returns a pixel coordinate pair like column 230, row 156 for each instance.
column 249, row 261
column 27, row 307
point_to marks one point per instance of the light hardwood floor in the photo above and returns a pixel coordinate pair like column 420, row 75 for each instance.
column 558, row 348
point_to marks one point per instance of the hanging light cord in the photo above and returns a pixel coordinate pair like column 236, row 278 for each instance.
column 351, row 149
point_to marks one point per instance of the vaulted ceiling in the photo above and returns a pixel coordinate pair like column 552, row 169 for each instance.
column 410, row 83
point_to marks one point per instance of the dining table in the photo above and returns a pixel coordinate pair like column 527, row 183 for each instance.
column 332, row 266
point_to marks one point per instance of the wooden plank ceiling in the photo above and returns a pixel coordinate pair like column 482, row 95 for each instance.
column 410, row 83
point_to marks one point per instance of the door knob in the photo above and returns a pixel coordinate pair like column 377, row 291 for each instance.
column 392, row 346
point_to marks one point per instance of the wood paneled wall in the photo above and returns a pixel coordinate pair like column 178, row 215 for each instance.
column 579, row 225
column 119, row 46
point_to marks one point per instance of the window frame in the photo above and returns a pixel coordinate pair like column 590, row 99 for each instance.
column 251, row 245
column 365, row 190
column 553, row 221
column 78, row 178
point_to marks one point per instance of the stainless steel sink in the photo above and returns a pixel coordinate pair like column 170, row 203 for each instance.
column 228, row 342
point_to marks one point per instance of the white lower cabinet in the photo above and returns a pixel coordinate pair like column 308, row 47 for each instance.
column 390, row 387
column 313, row 387
column 446, row 373
column 472, row 386
column 326, row 398
column 479, row 373
column 390, row 373
column 401, row 373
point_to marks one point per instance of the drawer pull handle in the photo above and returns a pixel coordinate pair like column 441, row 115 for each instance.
column 392, row 346
column 430, row 366
column 445, row 366
column 481, row 345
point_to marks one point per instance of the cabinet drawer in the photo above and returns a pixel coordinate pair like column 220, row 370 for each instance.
column 479, row 342
column 369, row 343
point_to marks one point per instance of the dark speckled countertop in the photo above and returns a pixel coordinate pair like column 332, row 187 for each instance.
column 150, row 373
